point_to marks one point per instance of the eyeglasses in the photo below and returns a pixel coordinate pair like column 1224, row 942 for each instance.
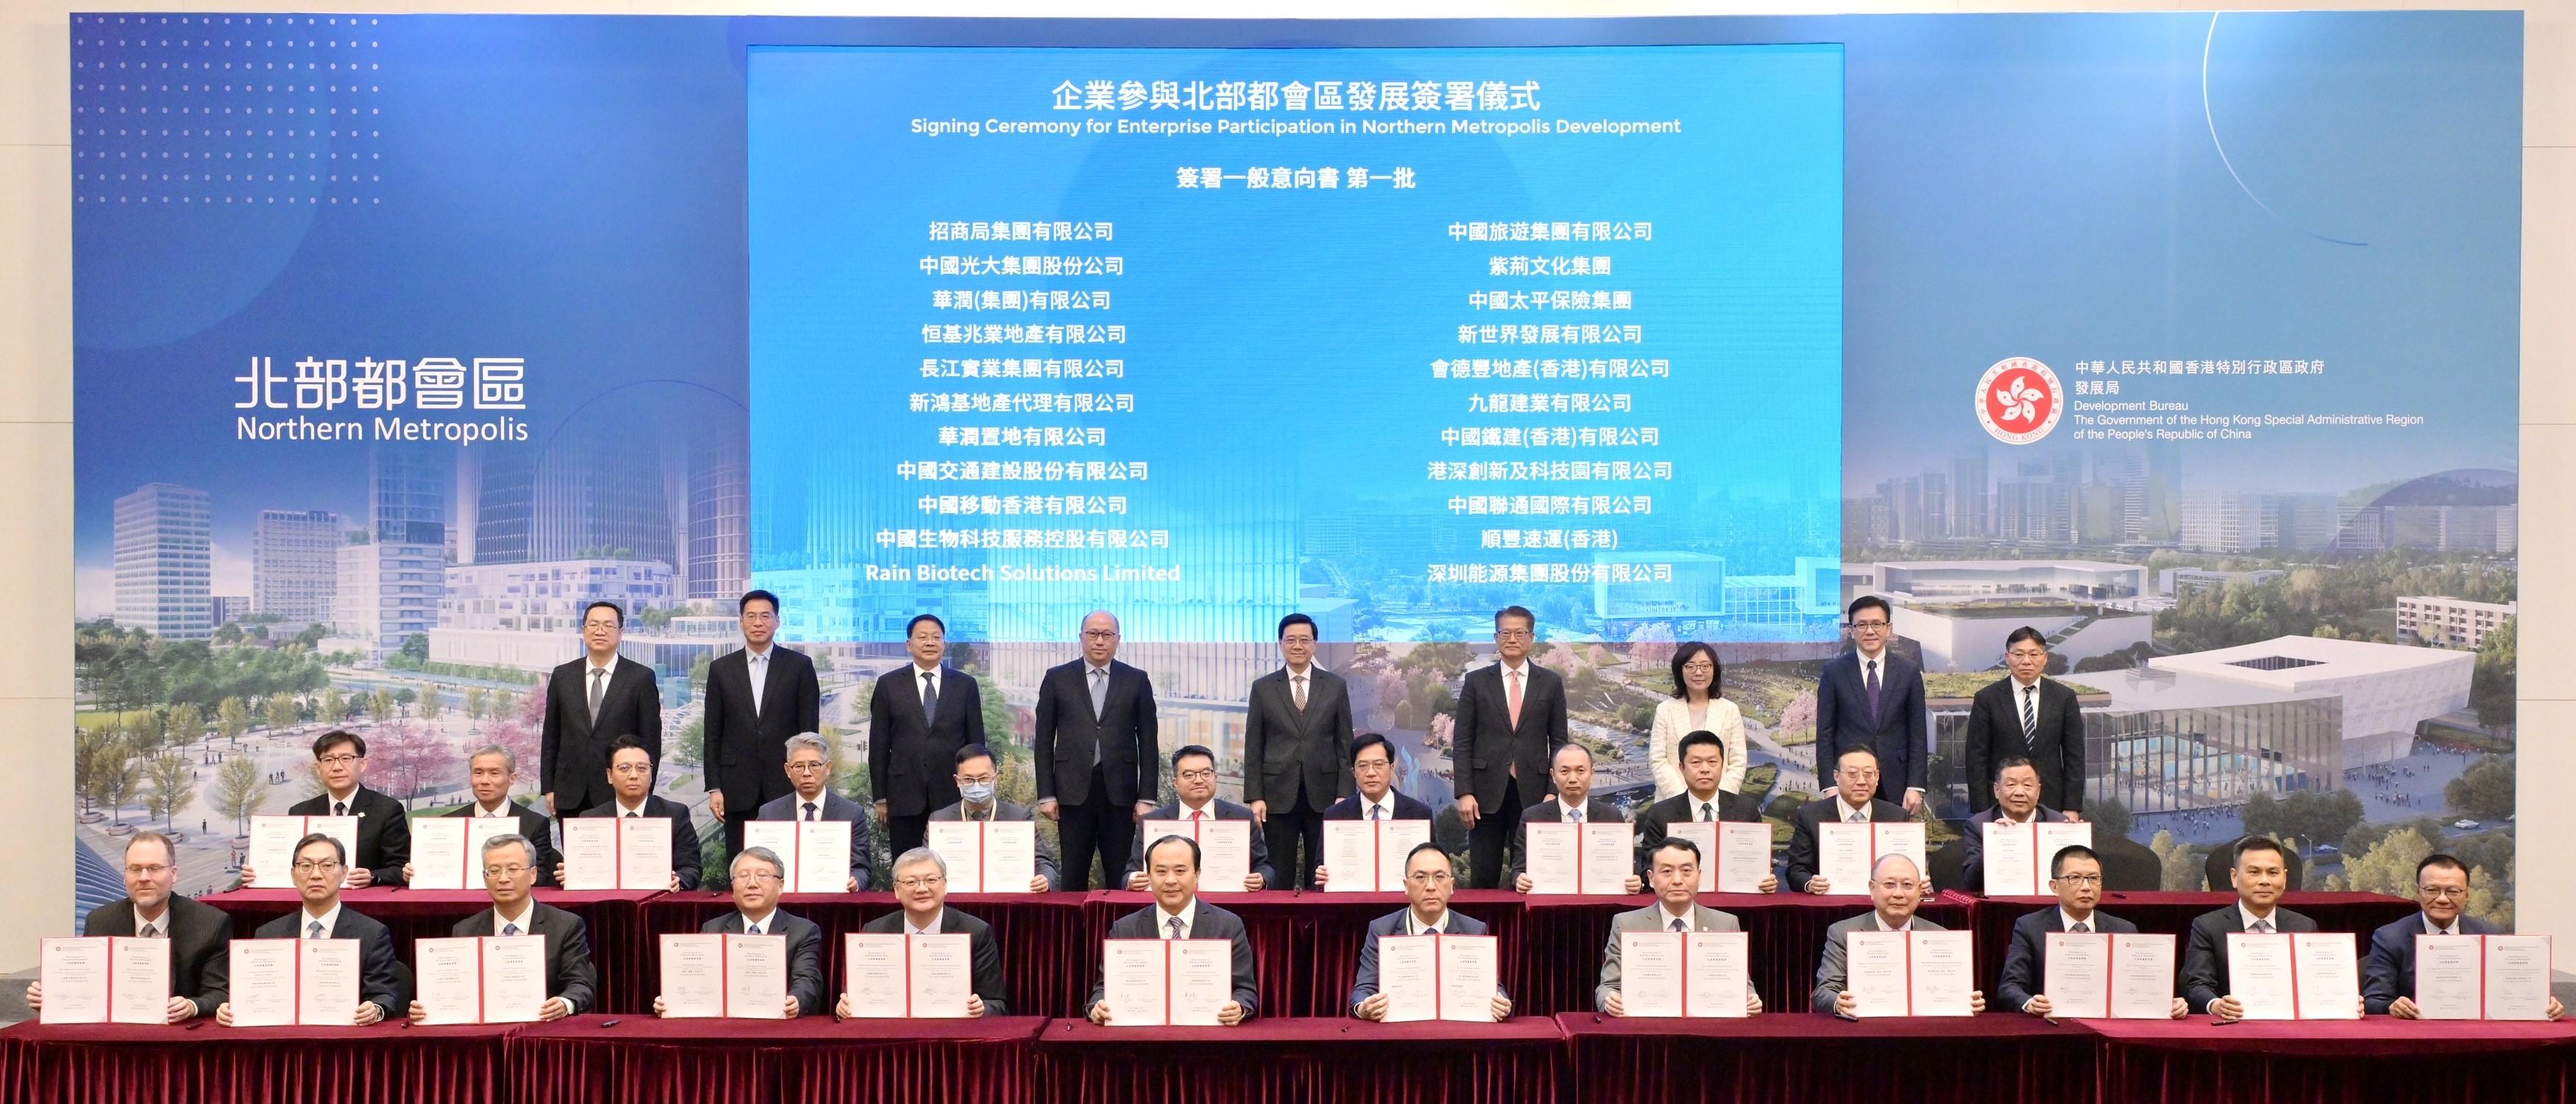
column 973, row 779
column 807, row 767
column 505, row 872
column 1701, row 667
column 1908, row 886
column 632, row 768
column 338, row 760
column 2080, row 880
column 760, row 618
column 925, row 881
column 1856, row 626
column 308, row 866
column 2428, row 891
column 1512, row 634
column 1371, row 765
column 1201, row 775
column 1100, row 634
column 144, row 871
column 757, row 877
column 1431, row 877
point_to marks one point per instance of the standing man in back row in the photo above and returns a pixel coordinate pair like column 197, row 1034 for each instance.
column 1296, row 751
column 1871, row 698
column 1096, row 745
column 591, row 703
column 921, row 715
column 1511, row 720
column 756, row 698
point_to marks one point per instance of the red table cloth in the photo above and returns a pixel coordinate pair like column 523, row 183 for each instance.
column 200, row 1063
column 2167, row 914
column 1048, row 958
column 1306, row 945
column 642, row 1060
column 618, row 941
column 1805, row 1058
column 1565, row 937
column 2375, row 1058
column 1293, row 1061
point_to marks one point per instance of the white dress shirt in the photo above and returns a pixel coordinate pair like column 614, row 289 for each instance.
column 1189, row 915
column 330, row 921
column 936, row 919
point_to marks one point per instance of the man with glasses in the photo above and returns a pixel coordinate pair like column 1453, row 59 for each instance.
column 1673, row 866
column 921, row 887
column 979, row 798
column 1194, row 780
column 758, row 876
column 198, row 933
column 1896, row 889
column 1511, row 720
column 320, row 868
column 2075, row 875
column 509, row 874
column 2017, row 801
column 756, row 698
column 1570, row 769
column 631, row 796
column 592, row 702
column 2027, row 715
column 491, row 770
column 1097, row 746
column 2388, row 975
column 809, row 770
column 1872, row 698
column 384, row 830
column 1374, row 795
column 921, row 713
column 1855, row 780
column 1296, row 749
column 1429, row 881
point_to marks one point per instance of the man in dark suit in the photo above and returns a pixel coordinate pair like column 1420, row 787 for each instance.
column 2388, row 975
column 2261, row 878
column 198, row 933
column 809, row 767
column 2075, row 875
column 1871, row 697
column 2028, row 716
column 384, row 829
column 1703, row 757
column 2017, row 801
column 1429, row 881
column 591, row 702
column 509, row 874
column 491, row 770
column 1570, row 772
column 1194, row 783
column 1855, row 780
column 320, row 865
column 979, row 798
column 921, row 887
column 1296, row 750
column 630, row 770
column 757, row 697
column 1097, row 746
column 1510, row 721
column 757, row 876
column 1177, row 913
column 1374, row 796
column 921, row 713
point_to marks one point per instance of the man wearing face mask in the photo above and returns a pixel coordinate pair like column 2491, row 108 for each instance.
column 978, row 788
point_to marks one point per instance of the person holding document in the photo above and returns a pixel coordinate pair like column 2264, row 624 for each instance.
column 384, row 829
column 1895, row 890
column 757, row 875
column 1704, row 767
column 199, row 934
column 2016, row 791
column 1374, row 796
column 630, row 778
column 921, row 713
column 1429, row 880
column 809, row 767
column 510, row 875
column 1296, row 750
column 491, row 770
column 978, row 782
column 2031, row 717
column 1510, row 720
column 1097, row 746
column 757, row 696
column 2261, row 876
column 921, row 887
column 2388, row 975
column 1674, row 870
column 1855, row 779
column 1172, row 870
column 1194, row 780
column 2075, row 875
column 320, row 868
column 590, row 703
column 1570, row 769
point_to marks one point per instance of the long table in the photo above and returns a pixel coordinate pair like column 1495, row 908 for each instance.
column 1048, row 957
column 620, row 945
column 1267, row 1061
column 2168, row 914
column 811, row 1060
column 1306, row 945
column 1807, row 1058
column 200, row 1063
column 2335, row 1062
column 1566, row 936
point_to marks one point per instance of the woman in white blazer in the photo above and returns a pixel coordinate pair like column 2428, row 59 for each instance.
column 1695, row 707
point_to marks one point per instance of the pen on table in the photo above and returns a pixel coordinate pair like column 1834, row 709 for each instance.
column 606, row 1024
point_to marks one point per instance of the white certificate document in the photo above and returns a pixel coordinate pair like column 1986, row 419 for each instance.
column 1842, row 857
column 877, row 986
column 2328, row 974
column 643, row 852
column 1897, row 839
column 2517, row 977
column 781, row 837
column 1225, row 856
column 514, row 978
column 2077, row 979
column 590, row 853
column 1717, row 970
column 1133, row 984
column 2260, row 975
column 755, row 973
column 942, row 975
column 75, row 973
column 2450, row 977
column 1609, row 857
column 2011, row 853
column 1944, row 972
column 326, row 982
column 1408, row 973
column 271, row 853
column 1703, row 835
column 822, row 862
column 1650, row 974
column 1743, row 856
column 439, row 854
column 2053, row 837
column 138, row 981
column 1875, row 972
column 1202, row 977
column 1350, row 856
column 447, row 979
column 2142, row 977
column 263, row 983
column 1470, row 975
column 693, row 976
column 960, row 844
column 1553, row 854
column 1010, row 855
column 1395, row 840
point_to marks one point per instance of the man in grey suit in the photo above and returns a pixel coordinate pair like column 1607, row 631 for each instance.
column 197, row 932
column 1511, row 718
column 1570, row 770
column 920, row 880
column 1296, row 751
column 1172, row 869
column 510, row 876
column 1429, row 880
column 1674, row 867
column 757, row 876
column 2261, row 876
column 809, row 768
column 978, row 782
column 1895, row 890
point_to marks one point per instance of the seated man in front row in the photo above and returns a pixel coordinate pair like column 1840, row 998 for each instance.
column 1895, row 890
column 2016, row 802
column 1194, row 781
column 630, row 780
column 921, row 887
column 1429, row 879
column 198, row 933
column 978, row 787
column 1855, row 781
column 510, row 875
column 757, row 876
column 2261, row 876
column 1374, row 796
column 1675, row 873
column 809, row 768
column 1172, row 870
column 1572, row 803
column 2388, row 975
column 320, row 867
column 1703, row 757
column 2075, row 874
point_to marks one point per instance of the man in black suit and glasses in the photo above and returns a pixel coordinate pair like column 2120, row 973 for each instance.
column 1097, row 744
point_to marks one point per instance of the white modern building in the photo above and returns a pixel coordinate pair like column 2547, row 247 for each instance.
column 295, row 566
column 2386, row 689
column 2082, row 580
column 165, row 561
column 387, row 593
column 2449, row 622
column 2174, row 582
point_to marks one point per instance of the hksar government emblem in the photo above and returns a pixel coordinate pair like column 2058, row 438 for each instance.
column 2019, row 400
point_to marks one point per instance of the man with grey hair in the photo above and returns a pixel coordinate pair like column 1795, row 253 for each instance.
column 809, row 769
column 759, row 875
column 921, row 886
column 510, row 876
column 492, row 770
column 1896, row 889
column 1099, row 753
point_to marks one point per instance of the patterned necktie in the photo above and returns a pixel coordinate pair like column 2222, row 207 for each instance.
column 1872, row 684
column 314, row 932
column 1858, row 816
column 2081, row 928
column 751, row 929
column 339, row 808
column 2261, row 927
column 1175, row 925
column 2029, row 714
column 1707, row 812
column 598, row 689
column 509, row 929
column 929, row 695
column 809, row 810
column 1377, row 812
column 1679, row 926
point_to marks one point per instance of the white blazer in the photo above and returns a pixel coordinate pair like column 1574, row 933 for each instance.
column 1672, row 722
